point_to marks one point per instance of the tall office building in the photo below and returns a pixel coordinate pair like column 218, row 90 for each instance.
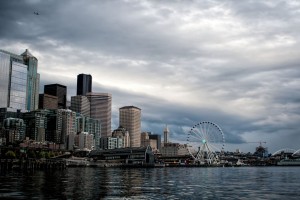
column 47, row 101
column 130, row 118
column 60, row 91
column 19, row 81
column 155, row 138
column 68, row 130
column 166, row 135
column 14, row 130
column 36, row 124
column 84, row 84
column 81, row 104
column 33, row 80
column 101, row 110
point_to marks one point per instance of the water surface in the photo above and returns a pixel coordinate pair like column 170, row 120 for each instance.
column 154, row 183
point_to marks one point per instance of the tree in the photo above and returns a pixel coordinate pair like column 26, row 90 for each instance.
column 31, row 154
column 10, row 154
column 51, row 154
column 42, row 154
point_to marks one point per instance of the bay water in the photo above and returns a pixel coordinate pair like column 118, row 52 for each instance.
column 153, row 183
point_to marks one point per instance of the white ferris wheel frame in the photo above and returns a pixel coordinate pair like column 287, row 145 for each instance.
column 210, row 138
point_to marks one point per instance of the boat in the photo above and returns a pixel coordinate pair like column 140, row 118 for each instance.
column 289, row 162
column 76, row 162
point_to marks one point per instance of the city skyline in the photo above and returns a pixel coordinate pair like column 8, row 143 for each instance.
column 232, row 63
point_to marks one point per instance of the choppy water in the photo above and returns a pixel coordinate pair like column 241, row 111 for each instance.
column 157, row 183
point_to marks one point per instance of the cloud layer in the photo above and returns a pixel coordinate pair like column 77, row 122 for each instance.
column 182, row 62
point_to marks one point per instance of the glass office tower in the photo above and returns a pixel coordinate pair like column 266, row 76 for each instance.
column 13, row 82
column 84, row 84
column 33, row 80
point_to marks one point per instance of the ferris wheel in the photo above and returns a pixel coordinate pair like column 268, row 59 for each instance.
column 206, row 142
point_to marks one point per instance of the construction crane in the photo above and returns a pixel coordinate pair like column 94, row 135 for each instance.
column 260, row 142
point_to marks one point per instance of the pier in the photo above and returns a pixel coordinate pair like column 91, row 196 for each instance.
column 32, row 164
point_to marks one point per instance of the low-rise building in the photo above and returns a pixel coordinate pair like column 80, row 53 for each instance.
column 132, row 155
column 174, row 149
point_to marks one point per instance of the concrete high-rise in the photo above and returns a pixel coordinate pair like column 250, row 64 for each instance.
column 60, row 91
column 100, row 105
column 19, row 81
column 84, row 84
column 130, row 119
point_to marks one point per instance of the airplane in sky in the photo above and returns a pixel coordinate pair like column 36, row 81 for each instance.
column 36, row 13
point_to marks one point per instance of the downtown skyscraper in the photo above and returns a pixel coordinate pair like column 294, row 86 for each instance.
column 60, row 91
column 100, row 107
column 84, row 84
column 130, row 119
column 19, row 81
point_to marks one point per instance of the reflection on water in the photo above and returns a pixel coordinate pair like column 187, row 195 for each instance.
column 157, row 183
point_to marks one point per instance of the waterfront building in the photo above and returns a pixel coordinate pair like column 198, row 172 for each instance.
column 132, row 155
column 54, row 127
column 60, row 91
column 147, row 138
column 4, row 114
column 84, row 140
column 121, row 132
column 261, row 151
column 36, row 123
column 174, row 149
column 155, row 141
column 84, row 84
column 111, row 143
column 100, row 109
column 13, row 130
column 68, row 128
column 89, row 125
column 130, row 118
column 47, row 101
column 81, row 104
column 19, row 81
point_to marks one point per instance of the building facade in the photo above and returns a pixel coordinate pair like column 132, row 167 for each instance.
column 54, row 127
column 111, row 143
column 19, row 81
column 47, row 101
column 84, row 84
column 174, row 149
column 36, row 123
column 81, row 104
column 121, row 132
column 166, row 135
column 13, row 130
column 154, row 140
column 84, row 140
column 60, row 91
column 68, row 128
column 100, row 105
column 33, row 80
column 90, row 126
column 130, row 119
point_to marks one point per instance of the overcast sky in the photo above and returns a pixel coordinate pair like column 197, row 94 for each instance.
column 233, row 63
